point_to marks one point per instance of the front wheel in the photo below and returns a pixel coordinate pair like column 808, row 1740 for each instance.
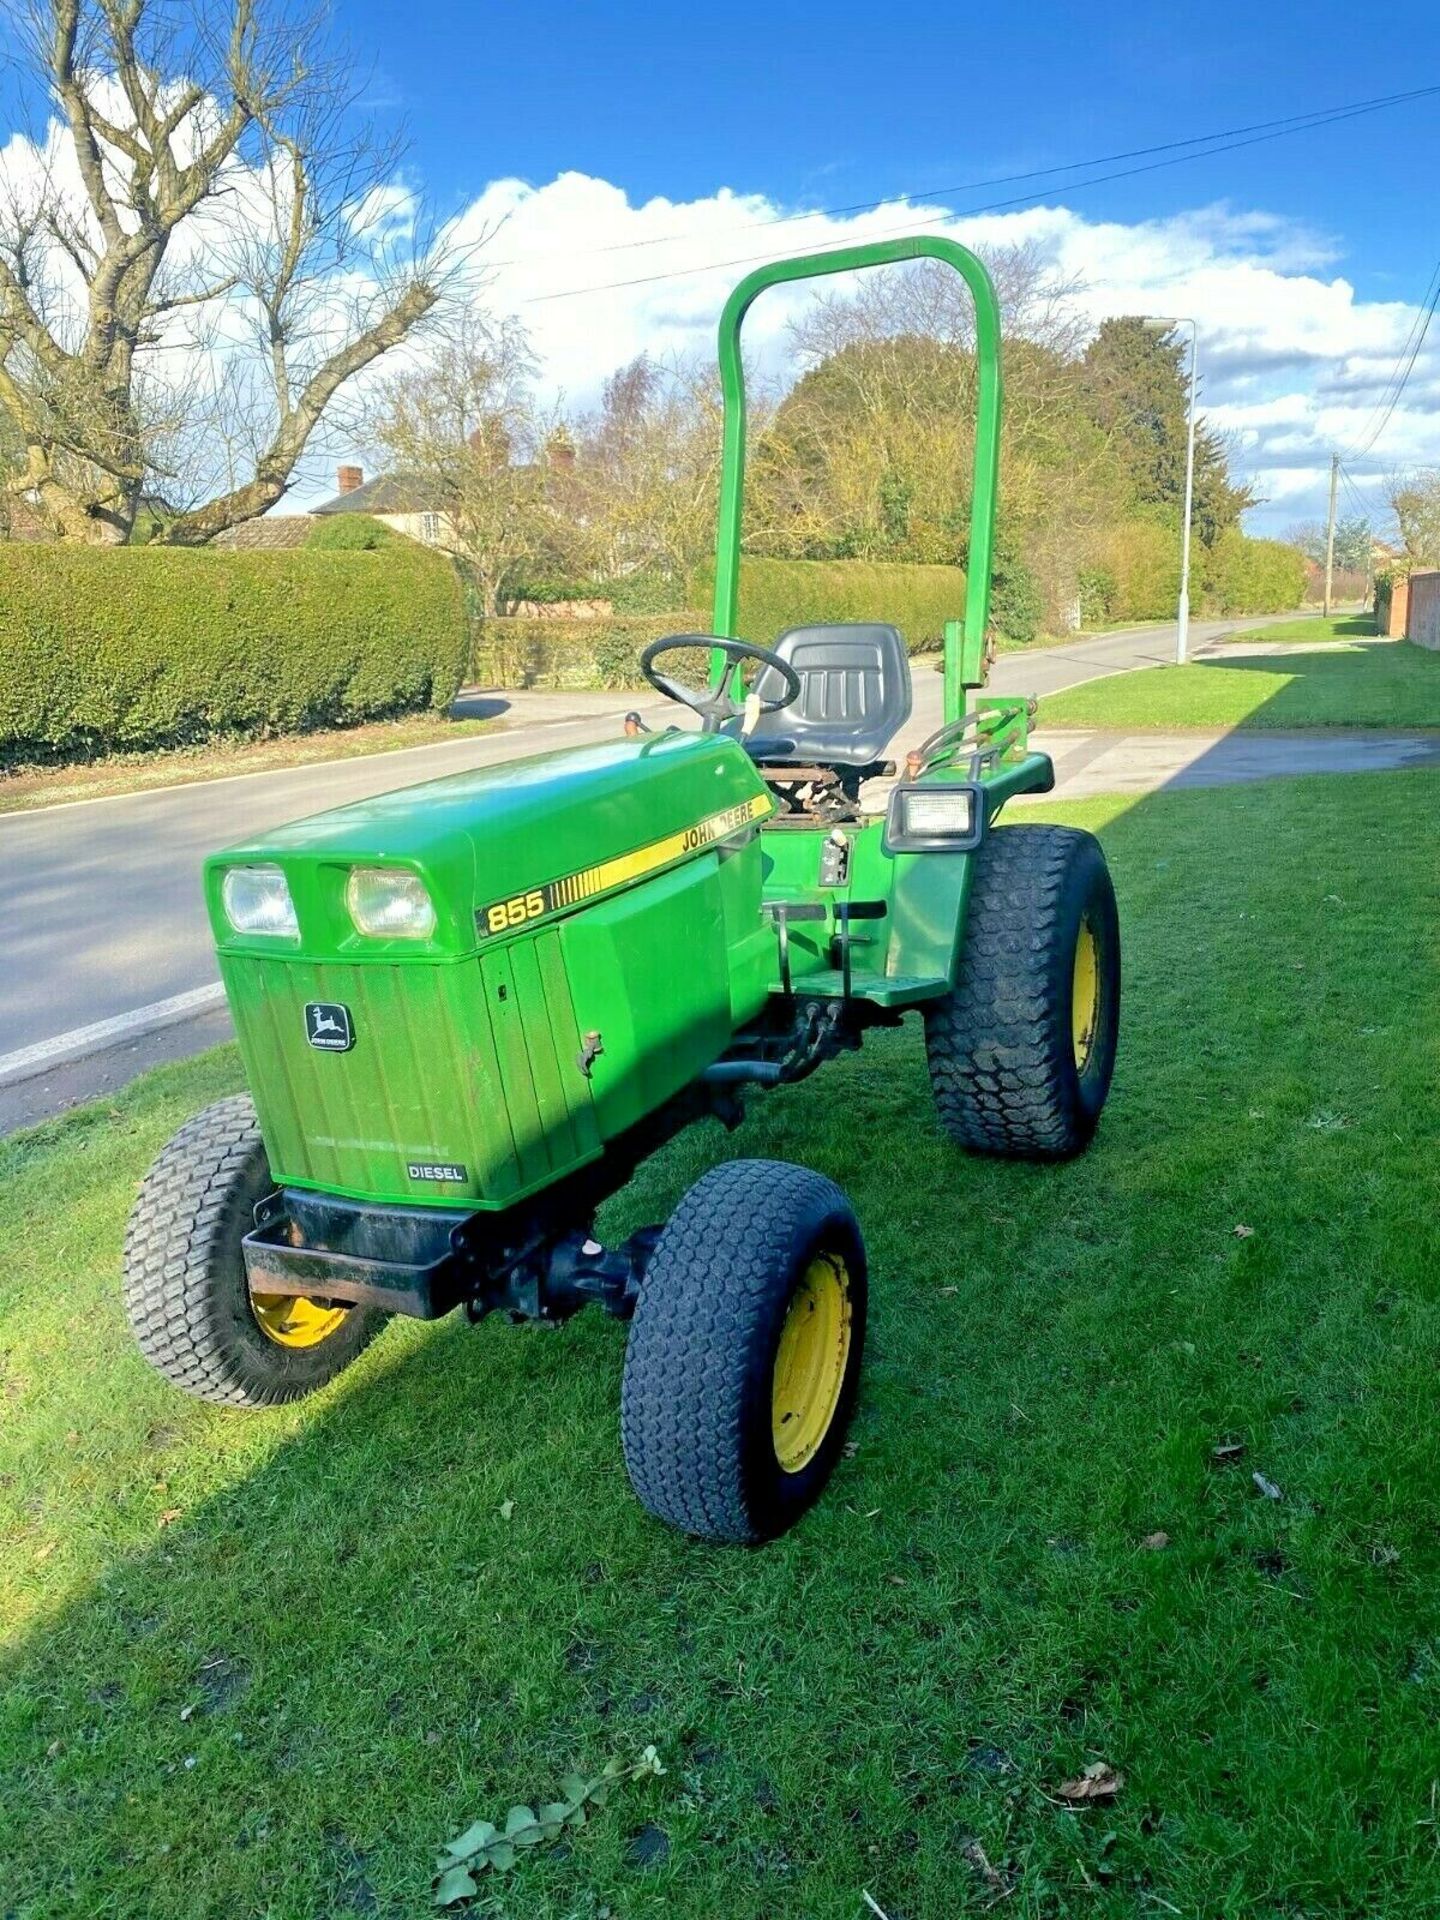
column 1022, row 1049
column 186, row 1294
column 744, row 1354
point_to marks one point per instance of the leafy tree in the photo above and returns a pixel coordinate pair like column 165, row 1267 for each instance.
column 1137, row 387
column 1352, row 544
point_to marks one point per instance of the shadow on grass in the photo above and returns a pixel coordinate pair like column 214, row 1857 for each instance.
column 319, row 1672
column 1372, row 683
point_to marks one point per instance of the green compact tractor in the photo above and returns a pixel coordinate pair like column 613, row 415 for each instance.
column 469, row 1009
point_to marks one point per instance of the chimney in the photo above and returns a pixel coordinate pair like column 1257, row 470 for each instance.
column 349, row 479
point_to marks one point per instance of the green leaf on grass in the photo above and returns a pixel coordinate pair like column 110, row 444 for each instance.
column 483, row 1845
column 473, row 1840
column 456, row 1883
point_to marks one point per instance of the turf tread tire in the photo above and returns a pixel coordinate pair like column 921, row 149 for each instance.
column 695, row 1415
column 999, row 1045
column 184, row 1274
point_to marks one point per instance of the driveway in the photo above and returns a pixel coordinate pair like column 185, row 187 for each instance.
column 108, row 954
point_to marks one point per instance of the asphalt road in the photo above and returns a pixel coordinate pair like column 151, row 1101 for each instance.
column 100, row 899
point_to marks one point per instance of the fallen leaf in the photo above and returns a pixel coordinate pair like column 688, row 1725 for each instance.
column 1228, row 1451
column 1267, row 1487
column 1155, row 1542
column 186, row 1712
column 45, row 1552
column 170, row 1516
column 1242, row 1232
column 850, row 1449
column 507, row 1509
column 1099, row 1781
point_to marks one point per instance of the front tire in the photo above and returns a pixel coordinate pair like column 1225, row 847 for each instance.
column 744, row 1354
column 185, row 1290
column 1022, row 1049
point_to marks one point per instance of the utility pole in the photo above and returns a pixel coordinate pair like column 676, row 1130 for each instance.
column 1330, row 531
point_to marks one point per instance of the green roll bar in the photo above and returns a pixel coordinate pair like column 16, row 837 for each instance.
column 963, row 655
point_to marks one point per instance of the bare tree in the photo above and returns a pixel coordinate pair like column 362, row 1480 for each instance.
column 649, row 468
column 1414, row 499
column 466, row 433
column 199, row 237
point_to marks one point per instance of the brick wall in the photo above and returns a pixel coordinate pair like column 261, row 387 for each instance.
column 1423, row 623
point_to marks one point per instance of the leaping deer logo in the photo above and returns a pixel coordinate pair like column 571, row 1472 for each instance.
column 328, row 1027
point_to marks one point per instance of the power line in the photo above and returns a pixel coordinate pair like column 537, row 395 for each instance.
column 1275, row 129
column 1403, row 368
column 1328, row 118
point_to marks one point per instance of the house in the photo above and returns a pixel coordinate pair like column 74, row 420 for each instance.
column 399, row 500
column 273, row 533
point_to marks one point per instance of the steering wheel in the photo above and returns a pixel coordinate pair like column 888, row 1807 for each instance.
column 714, row 705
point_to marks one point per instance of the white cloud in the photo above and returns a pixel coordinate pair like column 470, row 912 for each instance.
column 1292, row 361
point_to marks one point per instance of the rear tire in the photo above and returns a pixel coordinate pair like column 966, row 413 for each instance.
column 744, row 1354
column 185, row 1289
column 1022, row 1049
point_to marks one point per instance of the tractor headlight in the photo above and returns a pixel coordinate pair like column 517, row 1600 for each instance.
column 257, row 900
column 934, row 819
column 389, row 904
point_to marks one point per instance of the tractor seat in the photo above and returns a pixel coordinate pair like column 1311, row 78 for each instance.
column 854, row 698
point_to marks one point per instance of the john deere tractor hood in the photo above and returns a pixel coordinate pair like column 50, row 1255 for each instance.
column 561, row 826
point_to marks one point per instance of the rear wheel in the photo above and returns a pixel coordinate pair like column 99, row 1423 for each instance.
column 1022, row 1049
column 744, row 1354
column 186, row 1294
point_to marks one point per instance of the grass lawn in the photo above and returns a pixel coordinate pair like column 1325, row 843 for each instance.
column 1311, row 632
column 23, row 788
column 1374, row 683
column 263, row 1664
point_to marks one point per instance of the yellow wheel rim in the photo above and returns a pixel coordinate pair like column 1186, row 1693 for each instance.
column 1085, row 996
column 293, row 1320
column 811, row 1360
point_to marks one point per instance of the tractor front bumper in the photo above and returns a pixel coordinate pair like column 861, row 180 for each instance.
column 400, row 1259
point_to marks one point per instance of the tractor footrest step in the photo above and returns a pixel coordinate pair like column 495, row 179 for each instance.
column 885, row 990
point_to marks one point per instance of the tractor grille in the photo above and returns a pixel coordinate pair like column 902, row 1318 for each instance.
column 468, row 1066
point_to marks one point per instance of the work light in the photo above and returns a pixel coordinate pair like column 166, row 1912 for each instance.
column 934, row 819
column 389, row 904
column 257, row 900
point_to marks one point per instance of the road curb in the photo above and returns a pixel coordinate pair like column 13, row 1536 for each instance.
column 80, row 1042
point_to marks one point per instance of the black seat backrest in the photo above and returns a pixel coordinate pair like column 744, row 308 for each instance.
column 854, row 697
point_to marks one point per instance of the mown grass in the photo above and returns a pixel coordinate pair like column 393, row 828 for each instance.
column 262, row 1664
column 1375, row 683
column 1311, row 632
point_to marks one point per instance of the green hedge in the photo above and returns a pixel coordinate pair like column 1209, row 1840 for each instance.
column 104, row 651
column 1241, row 575
column 776, row 594
column 571, row 653
column 352, row 533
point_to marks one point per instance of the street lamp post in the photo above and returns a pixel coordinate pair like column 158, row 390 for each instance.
column 1182, row 617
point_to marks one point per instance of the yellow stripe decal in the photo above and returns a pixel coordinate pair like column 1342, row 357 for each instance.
column 519, row 909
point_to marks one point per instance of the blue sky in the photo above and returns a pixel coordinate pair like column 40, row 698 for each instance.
column 1303, row 258
column 818, row 106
